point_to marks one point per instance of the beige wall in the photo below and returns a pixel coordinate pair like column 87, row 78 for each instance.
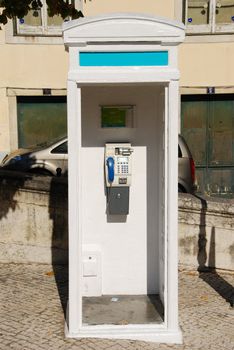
column 32, row 65
column 25, row 70
column 206, row 64
column 4, row 118
column 160, row 8
column 29, row 66
column 36, row 66
column 4, row 122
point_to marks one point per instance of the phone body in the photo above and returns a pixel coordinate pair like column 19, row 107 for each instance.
column 118, row 164
column 118, row 177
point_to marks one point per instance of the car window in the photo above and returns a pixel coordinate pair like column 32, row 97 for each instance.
column 61, row 149
column 179, row 152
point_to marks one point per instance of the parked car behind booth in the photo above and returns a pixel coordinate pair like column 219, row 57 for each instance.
column 51, row 158
column 186, row 171
column 48, row 158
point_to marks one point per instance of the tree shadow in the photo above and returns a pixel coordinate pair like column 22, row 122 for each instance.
column 10, row 183
column 207, row 263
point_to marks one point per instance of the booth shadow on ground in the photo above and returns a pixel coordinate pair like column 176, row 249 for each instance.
column 207, row 262
column 58, row 213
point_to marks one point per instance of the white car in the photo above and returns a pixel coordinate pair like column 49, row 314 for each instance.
column 49, row 158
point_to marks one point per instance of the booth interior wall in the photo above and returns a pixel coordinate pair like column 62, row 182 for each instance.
column 128, row 245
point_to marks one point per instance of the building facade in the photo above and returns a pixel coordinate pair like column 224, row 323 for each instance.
column 34, row 69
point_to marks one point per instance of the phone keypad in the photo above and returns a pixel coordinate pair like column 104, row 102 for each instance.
column 122, row 167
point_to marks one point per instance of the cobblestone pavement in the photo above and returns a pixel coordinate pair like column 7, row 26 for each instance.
column 32, row 315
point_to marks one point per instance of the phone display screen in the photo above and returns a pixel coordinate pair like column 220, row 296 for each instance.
column 122, row 159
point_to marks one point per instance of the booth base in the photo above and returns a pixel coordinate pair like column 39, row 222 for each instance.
column 122, row 310
column 149, row 333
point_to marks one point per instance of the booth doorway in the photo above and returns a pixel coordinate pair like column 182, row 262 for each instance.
column 123, row 256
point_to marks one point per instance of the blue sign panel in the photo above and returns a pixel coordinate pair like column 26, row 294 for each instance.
column 120, row 59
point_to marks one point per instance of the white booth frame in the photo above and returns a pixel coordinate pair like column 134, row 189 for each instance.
column 168, row 76
column 168, row 331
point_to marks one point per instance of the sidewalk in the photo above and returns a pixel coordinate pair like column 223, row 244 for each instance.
column 32, row 316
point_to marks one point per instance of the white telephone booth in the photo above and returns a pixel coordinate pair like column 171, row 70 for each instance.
column 123, row 105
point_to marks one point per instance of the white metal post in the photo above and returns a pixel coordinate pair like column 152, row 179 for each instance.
column 172, row 207
column 74, row 208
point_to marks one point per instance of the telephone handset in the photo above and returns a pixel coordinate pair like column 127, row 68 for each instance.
column 110, row 163
column 118, row 164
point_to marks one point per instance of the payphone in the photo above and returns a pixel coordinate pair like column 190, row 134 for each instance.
column 118, row 176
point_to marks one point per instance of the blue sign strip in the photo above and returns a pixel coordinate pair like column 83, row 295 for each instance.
column 120, row 59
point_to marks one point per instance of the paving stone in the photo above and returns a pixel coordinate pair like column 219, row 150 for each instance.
column 32, row 315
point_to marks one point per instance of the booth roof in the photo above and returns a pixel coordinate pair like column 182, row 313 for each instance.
column 123, row 26
column 123, row 15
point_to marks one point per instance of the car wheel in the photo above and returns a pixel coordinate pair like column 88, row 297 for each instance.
column 181, row 189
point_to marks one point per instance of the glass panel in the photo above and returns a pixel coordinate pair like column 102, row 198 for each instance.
column 62, row 149
column 222, row 133
column 41, row 119
column 55, row 21
column 198, row 12
column 179, row 152
column 33, row 18
column 225, row 11
column 194, row 115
